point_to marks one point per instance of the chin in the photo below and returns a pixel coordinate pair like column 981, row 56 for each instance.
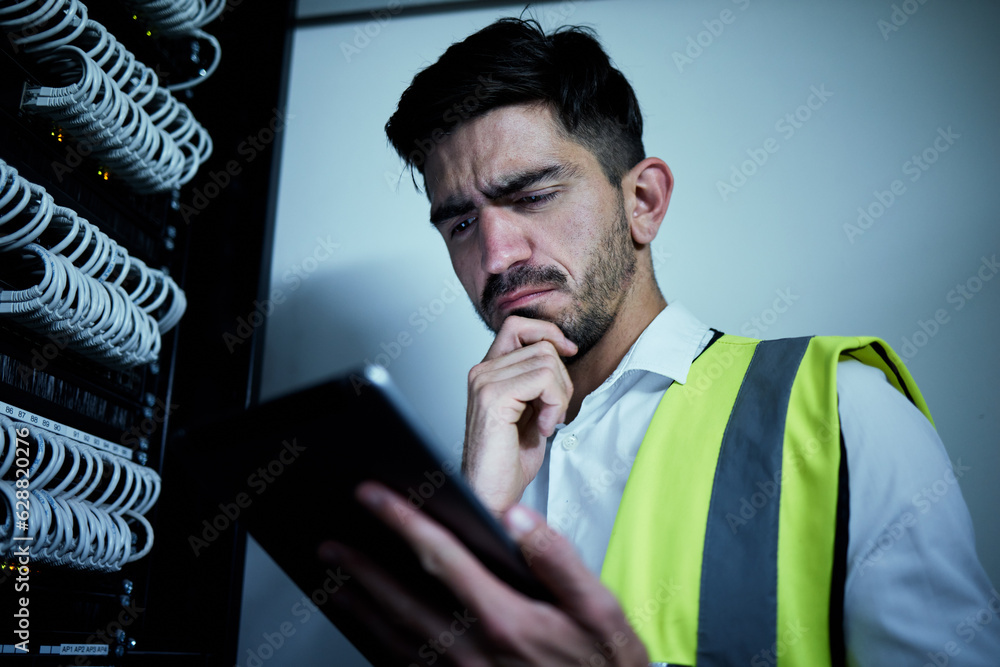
column 535, row 313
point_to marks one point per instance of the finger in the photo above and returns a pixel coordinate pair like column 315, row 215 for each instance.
column 551, row 556
column 400, row 622
column 577, row 590
column 507, row 391
column 353, row 602
column 439, row 551
column 519, row 331
column 512, row 622
column 538, row 354
column 533, row 392
column 518, row 626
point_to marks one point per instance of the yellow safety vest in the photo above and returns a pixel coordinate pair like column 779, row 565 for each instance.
column 722, row 551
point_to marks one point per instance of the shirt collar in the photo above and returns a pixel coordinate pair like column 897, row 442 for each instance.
column 667, row 346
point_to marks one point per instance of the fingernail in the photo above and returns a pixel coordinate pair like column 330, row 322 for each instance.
column 371, row 495
column 520, row 521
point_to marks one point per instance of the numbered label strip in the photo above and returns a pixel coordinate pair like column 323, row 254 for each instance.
column 44, row 423
column 62, row 649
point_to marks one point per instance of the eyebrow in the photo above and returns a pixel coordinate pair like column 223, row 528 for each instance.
column 459, row 204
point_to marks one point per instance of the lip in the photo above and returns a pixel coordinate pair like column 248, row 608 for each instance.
column 522, row 298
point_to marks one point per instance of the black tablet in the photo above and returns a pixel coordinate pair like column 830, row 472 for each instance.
column 291, row 467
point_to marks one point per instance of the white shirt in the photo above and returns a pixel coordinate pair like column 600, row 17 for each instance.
column 915, row 590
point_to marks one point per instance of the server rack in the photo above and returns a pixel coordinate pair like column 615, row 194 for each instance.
column 178, row 605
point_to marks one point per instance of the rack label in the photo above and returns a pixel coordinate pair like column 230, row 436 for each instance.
column 52, row 426
column 83, row 649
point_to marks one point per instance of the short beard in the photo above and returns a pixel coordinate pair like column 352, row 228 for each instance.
column 596, row 304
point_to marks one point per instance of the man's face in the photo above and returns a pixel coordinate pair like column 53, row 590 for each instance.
column 532, row 225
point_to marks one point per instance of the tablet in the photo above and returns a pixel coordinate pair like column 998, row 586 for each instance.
column 292, row 465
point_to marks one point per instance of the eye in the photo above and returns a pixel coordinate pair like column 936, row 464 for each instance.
column 461, row 226
column 532, row 201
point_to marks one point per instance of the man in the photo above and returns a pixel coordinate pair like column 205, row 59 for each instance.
column 747, row 502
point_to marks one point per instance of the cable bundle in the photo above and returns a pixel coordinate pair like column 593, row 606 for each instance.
column 95, row 318
column 76, row 471
column 83, row 504
column 178, row 17
column 109, row 100
column 28, row 215
column 183, row 18
column 72, row 533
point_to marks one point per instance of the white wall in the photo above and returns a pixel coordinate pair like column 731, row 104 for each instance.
column 724, row 257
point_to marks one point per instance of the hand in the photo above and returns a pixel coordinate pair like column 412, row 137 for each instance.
column 496, row 625
column 517, row 395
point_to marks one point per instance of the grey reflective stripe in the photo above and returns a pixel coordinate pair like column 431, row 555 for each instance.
column 738, row 605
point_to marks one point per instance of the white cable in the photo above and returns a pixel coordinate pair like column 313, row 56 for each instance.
column 7, row 530
column 130, row 487
column 207, row 71
column 77, row 472
column 95, row 111
column 8, row 444
column 98, row 318
column 53, row 455
column 83, row 534
column 54, row 539
column 184, row 18
column 149, row 535
column 122, row 138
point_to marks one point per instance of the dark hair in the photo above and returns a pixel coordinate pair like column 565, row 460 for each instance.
column 513, row 61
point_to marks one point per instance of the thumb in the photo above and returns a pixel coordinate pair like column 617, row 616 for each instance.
column 551, row 557
column 577, row 591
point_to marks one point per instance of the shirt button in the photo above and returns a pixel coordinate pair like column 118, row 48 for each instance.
column 570, row 443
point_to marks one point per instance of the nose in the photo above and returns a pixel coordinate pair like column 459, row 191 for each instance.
column 502, row 240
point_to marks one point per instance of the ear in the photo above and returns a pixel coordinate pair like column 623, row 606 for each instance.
column 648, row 188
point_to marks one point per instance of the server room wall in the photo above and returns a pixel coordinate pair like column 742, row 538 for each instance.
column 359, row 269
